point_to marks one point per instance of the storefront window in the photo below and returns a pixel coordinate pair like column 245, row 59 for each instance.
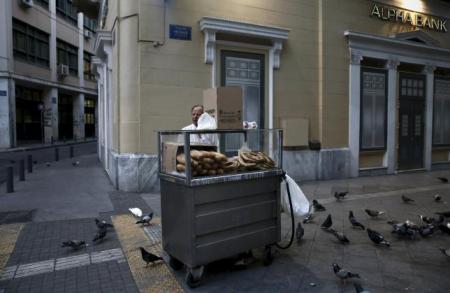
column 441, row 115
column 373, row 109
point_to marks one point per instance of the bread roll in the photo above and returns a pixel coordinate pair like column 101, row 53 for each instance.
column 207, row 160
column 181, row 168
column 196, row 154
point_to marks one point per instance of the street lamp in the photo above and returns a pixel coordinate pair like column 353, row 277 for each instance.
column 41, row 109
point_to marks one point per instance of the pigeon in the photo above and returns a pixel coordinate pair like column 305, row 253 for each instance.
column 149, row 257
column 309, row 218
column 340, row 236
column 426, row 230
column 443, row 179
column 102, row 224
column 437, row 198
column 426, row 220
column 137, row 212
column 445, row 228
column 327, row 223
column 444, row 214
column 101, row 233
column 299, row 232
column 407, row 199
column 317, row 206
column 374, row 213
column 76, row 163
column 359, row 288
column 75, row 244
column 145, row 220
column 343, row 274
column 355, row 222
column 445, row 251
column 403, row 229
column 377, row 238
column 340, row 195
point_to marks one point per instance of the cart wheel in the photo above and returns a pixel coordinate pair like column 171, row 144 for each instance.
column 175, row 264
column 194, row 276
column 268, row 256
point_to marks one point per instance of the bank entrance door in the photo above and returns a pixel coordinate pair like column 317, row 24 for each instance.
column 411, row 119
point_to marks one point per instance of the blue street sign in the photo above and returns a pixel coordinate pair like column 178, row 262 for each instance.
column 180, row 32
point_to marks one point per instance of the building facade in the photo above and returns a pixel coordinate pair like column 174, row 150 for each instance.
column 367, row 81
column 47, row 89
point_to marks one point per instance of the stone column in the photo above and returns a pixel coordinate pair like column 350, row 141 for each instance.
column 429, row 71
column 7, row 110
column 354, row 110
column 391, row 115
column 50, row 111
column 52, row 42
column 78, row 117
column 7, row 87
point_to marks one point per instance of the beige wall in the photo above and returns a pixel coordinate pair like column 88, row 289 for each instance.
column 37, row 16
column 173, row 76
column 156, row 86
column 31, row 70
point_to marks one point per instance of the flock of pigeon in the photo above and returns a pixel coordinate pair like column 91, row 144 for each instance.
column 102, row 228
column 407, row 228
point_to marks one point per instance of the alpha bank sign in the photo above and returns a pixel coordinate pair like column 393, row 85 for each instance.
column 415, row 19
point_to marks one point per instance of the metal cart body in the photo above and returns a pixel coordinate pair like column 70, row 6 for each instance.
column 214, row 217
column 208, row 222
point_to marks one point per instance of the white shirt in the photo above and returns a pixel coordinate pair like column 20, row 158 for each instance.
column 205, row 138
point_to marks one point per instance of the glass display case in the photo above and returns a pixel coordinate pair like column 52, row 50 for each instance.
column 219, row 155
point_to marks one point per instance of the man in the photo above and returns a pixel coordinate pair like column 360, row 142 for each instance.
column 196, row 112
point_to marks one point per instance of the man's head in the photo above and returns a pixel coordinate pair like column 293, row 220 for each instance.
column 196, row 112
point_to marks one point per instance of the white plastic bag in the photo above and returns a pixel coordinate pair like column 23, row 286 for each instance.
column 205, row 121
column 300, row 203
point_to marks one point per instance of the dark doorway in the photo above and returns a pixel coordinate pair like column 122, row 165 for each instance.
column 29, row 105
column 411, row 120
column 65, row 117
column 89, row 117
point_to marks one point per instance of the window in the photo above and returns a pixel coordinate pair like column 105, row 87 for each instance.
column 43, row 3
column 30, row 44
column 90, row 24
column 66, row 10
column 441, row 115
column 88, row 74
column 68, row 55
column 373, row 109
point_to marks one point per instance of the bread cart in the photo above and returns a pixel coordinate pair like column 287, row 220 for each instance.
column 210, row 217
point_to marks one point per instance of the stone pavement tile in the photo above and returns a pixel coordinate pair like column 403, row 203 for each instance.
column 122, row 201
column 398, row 282
column 42, row 240
column 432, row 277
column 9, row 235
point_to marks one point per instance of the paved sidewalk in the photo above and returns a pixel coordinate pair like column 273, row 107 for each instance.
column 60, row 202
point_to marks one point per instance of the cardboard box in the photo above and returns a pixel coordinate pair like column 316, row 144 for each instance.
column 225, row 105
column 170, row 150
column 295, row 132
